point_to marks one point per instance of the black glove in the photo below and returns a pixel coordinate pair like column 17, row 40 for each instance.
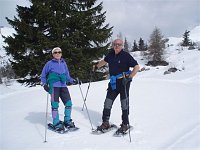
column 75, row 81
column 46, row 87
column 126, row 80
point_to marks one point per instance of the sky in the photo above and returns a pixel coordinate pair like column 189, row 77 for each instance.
column 136, row 18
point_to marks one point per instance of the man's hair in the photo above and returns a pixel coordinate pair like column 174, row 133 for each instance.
column 117, row 40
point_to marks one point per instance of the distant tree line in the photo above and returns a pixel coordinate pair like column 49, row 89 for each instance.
column 78, row 28
column 154, row 50
column 140, row 46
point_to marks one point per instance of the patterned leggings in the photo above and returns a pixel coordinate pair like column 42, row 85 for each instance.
column 63, row 94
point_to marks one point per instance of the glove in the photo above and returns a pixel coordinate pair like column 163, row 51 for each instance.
column 126, row 80
column 75, row 81
column 46, row 87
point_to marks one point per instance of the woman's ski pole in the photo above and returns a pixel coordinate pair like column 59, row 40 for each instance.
column 45, row 136
column 84, row 99
column 87, row 90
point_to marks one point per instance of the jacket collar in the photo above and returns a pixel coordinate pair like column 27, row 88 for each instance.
column 55, row 60
column 113, row 52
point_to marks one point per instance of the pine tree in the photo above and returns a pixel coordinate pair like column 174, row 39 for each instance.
column 141, row 45
column 156, row 47
column 146, row 47
column 126, row 46
column 135, row 47
column 76, row 26
column 186, row 40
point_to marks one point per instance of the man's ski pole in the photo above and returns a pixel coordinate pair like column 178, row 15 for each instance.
column 127, row 99
column 45, row 136
column 84, row 104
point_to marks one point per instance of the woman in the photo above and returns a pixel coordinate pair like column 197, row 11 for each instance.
column 54, row 77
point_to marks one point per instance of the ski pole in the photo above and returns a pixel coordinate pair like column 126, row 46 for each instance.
column 87, row 90
column 45, row 136
column 86, row 96
column 84, row 102
column 127, row 99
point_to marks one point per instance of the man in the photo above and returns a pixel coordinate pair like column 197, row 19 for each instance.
column 54, row 77
column 119, row 63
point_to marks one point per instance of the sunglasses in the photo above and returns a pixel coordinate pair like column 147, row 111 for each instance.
column 57, row 52
column 117, row 44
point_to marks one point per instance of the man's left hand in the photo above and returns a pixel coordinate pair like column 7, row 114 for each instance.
column 126, row 80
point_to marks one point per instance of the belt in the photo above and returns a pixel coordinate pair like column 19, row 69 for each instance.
column 119, row 76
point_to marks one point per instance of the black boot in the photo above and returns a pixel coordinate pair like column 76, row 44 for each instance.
column 69, row 124
column 57, row 127
column 123, row 129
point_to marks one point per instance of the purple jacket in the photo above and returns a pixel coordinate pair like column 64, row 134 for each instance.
column 56, row 66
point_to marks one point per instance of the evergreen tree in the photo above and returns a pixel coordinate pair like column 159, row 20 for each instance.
column 156, row 46
column 135, row 47
column 146, row 47
column 126, row 46
column 141, row 45
column 76, row 26
column 186, row 40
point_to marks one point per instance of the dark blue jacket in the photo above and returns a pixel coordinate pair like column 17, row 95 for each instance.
column 119, row 63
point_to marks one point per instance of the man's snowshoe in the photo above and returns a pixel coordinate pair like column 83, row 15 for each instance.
column 103, row 128
column 123, row 130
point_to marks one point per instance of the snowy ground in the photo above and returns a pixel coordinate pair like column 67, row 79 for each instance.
column 164, row 111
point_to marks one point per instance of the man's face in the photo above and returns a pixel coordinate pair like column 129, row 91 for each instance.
column 117, row 45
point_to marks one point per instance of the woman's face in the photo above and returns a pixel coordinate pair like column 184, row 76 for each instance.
column 57, row 54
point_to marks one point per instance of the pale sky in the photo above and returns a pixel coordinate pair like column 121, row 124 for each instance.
column 136, row 18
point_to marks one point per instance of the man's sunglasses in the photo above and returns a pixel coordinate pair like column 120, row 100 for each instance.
column 117, row 44
column 57, row 52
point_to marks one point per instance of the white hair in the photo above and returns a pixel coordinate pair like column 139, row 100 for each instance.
column 56, row 48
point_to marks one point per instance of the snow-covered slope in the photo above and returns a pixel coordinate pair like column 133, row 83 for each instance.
column 186, row 61
column 164, row 111
column 195, row 34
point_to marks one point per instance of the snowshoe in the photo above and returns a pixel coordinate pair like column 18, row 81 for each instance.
column 103, row 128
column 123, row 130
column 58, row 128
column 70, row 126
